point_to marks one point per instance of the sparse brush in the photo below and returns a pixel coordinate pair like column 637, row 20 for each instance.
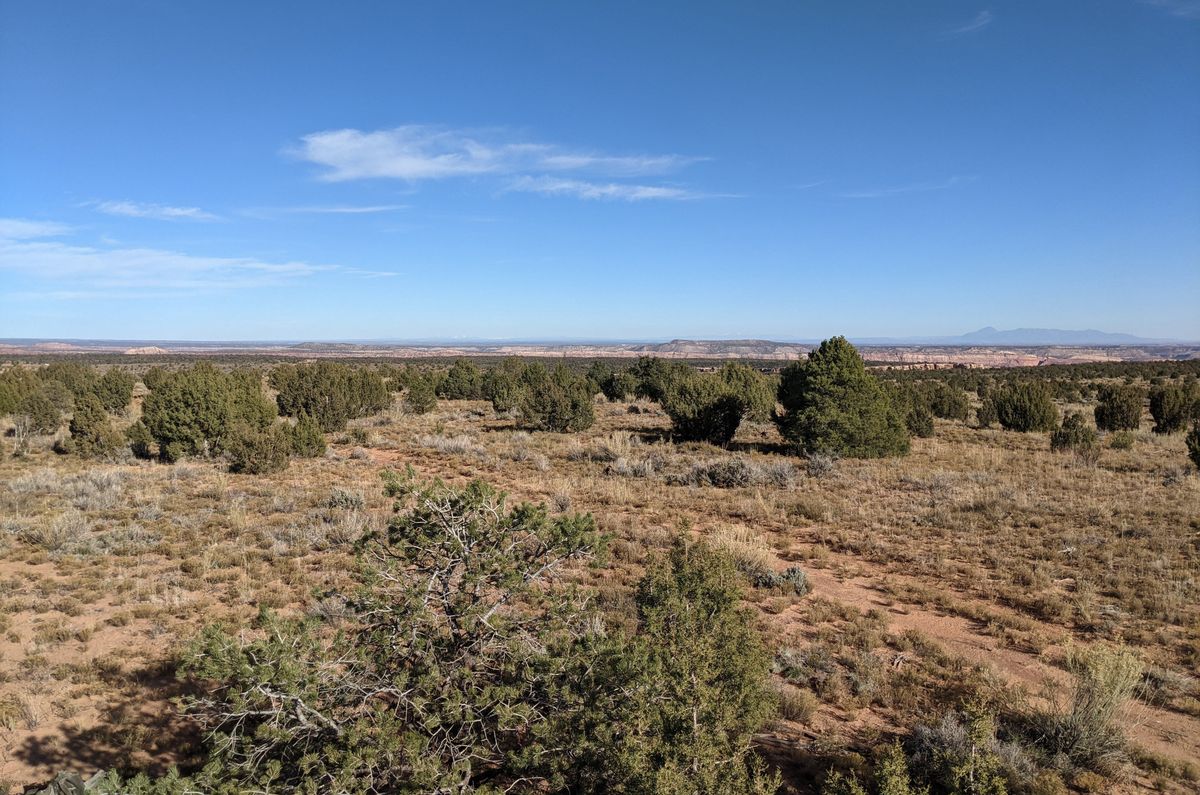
column 340, row 498
column 460, row 445
column 748, row 550
column 61, row 533
column 1086, row 730
column 739, row 472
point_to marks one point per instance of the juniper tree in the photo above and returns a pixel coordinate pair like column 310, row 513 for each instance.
column 92, row 434
column 194, row 411
column 114, row 389
column 255, row 451
column 502, row 384
column 329, row 392
column 307, row 440
column 673, row 707
column 446, row 680
column 832, row 405
column 710, row 407
column 463, row 382
column 39, row 412
column 1172, row 407
column 556, row 400
column 1119, row 408
column 1024, row 406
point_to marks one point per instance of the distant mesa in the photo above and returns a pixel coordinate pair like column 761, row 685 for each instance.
column 150, row 350
column 320, row 347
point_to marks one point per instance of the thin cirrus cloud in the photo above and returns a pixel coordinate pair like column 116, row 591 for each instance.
column 897, row 190
column 1187, row 9
column 978, row 23
column 333, row 209
column 158, row 212
column 583, row 189
column 66, row 270
column 23, row 228
column 418, row 152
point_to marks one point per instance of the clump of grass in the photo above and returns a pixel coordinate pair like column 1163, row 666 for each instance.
column 820, row 465
column 340, row 498
column 44, row 480
column 64, row 532
column 747, row 549
column 96, row 489
column 738, row 472
column 458, row 445
column 796, row 703
column 646, row 467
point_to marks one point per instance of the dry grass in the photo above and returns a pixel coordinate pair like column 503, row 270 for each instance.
column 961, row 570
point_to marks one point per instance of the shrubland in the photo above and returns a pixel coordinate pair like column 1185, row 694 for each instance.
column 732, row 620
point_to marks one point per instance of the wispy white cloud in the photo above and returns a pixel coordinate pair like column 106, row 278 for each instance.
column 584, row 189
column 418, row 152
column 81, row 270
column 22, row 228
column 895, row 190
column 159, row 212
column 978, row 23
column 1188, row 9
column 338, row 209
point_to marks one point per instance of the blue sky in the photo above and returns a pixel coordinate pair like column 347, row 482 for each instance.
column 302, row 170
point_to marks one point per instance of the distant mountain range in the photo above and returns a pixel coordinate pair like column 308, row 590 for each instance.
column 1021, row 336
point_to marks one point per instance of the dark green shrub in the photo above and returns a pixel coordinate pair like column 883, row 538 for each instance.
column 1121, row 440
column 39, row 412
column 307, row 439
column 114, row 389
column 502, row 384
column 15, row 384
column 1119, row 408
column 597, row 373
column 77, row 377
column 752, row 389
column 58, row 394
column 913, row 404
column 141, row 441
column 463, row 381
column 985, row 415
column 329, row 392
column 484, row 665
column 253, row 451
column 558, row 401
column 699, row 667
column 1074, row 435
column 831, row 404
column 1025, row 406
column 701, row 408
column 621, row 385
column 1193, row 443
column 92, row 434
column 946, row 401
column 656, row 377
column 1172, row 407
column 499, row 683
column 194, row 411
column 420, row 397
column 710, row 407
column 153, row 377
